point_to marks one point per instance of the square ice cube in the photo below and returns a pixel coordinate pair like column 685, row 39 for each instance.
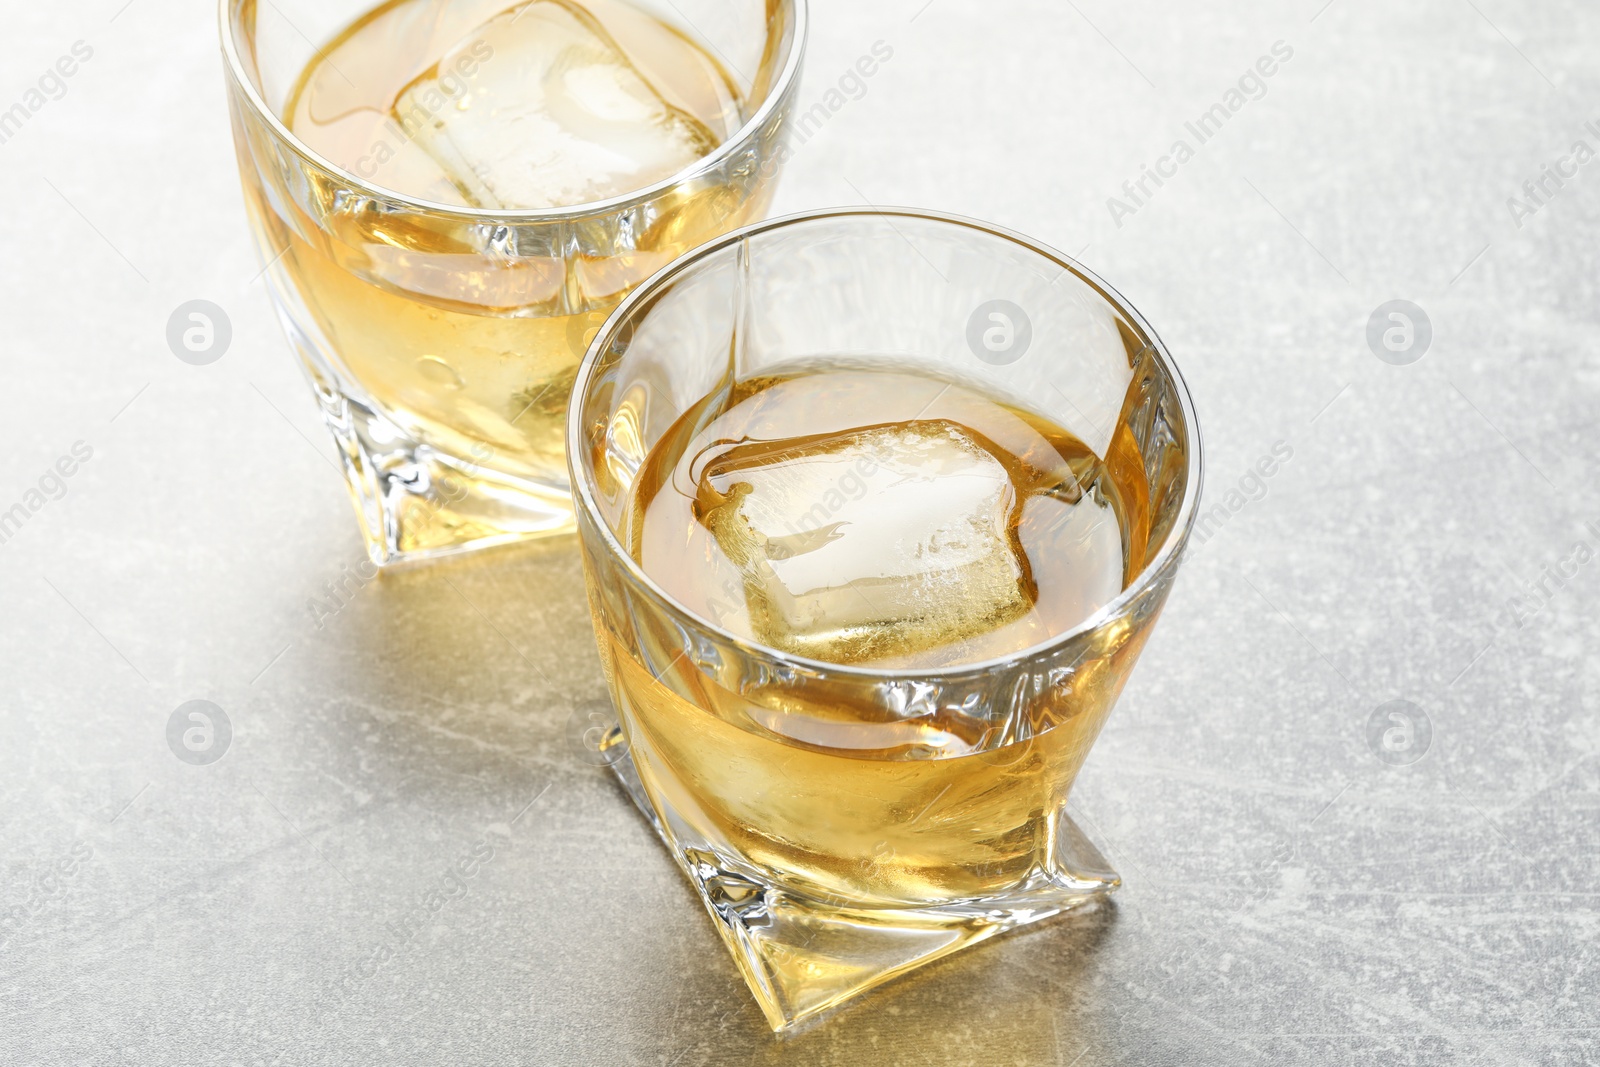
column 539, row 108
column 882, row 541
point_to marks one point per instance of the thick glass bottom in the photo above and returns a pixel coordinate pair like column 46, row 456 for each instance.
column 802, row 956
column 414, row 501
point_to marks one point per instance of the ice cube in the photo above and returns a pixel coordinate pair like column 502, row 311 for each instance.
column 538, row 108
column 878, row 542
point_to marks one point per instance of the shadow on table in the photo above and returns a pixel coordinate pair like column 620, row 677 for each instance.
column 475, row 665
column 471, row 666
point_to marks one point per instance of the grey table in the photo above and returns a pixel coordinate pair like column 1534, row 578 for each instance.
column 1296, row 891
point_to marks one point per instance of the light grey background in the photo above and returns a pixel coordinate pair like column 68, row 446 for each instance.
column 1290, row 898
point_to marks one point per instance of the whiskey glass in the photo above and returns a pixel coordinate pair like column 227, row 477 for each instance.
column 832, row 848
column 441, row 341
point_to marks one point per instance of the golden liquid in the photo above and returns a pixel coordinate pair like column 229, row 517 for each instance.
column 817, row 781
column 467, row 351
column 863, row 825
column 1065, row 534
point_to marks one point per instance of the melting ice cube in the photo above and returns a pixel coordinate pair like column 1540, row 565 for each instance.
column 539, row 108
column 875, row 542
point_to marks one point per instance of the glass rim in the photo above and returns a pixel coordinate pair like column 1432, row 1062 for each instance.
column 1156, row 568
column 749, row 128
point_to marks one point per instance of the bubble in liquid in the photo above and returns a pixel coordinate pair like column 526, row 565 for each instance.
column 439, row 372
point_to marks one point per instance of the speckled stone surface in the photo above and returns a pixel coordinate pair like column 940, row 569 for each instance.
column 1296, row 893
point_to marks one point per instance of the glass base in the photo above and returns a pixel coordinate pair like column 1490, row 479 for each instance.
column 415, row 502
column 802, row 956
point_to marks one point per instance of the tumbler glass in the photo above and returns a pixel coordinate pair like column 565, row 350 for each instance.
column 441, row 341
column 832, row 843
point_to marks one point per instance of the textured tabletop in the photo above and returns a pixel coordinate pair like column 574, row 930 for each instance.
column 1313, row 874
